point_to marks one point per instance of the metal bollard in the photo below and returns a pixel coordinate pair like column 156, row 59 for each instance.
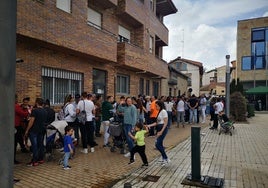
column 127, row 185
column 195, row 147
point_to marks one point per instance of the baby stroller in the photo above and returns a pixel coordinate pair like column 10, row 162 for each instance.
column 118, row 136
column 226, row 125
column 54, row 138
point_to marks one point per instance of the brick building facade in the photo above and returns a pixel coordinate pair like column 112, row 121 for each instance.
column 108, row 47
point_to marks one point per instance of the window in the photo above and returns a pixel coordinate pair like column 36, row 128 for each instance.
column 246, row 63
column 258, row 50
column 147, row 87
column 151, row 42
column 258, row 34
column 122, row 85
column 142, row 86
column 123, row 34
column 94, row 18
column 155, row 88
column 57, row 83
column 181, row 66
column 64, row 5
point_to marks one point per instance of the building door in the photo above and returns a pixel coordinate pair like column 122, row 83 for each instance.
column 99, row 82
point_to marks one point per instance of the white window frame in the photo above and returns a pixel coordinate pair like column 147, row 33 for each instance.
column 94, row 18
column 124, row 34
column 122, row 86
column 50, row 81
column 64, row 5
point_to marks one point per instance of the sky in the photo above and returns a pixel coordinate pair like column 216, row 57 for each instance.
column 205, row 30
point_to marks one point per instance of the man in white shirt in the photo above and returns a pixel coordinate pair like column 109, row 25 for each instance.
column 87, row 130
column 218, row 106
column 180, row 111
column 203, row 105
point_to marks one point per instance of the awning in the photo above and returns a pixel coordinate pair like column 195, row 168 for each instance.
column 258, row 90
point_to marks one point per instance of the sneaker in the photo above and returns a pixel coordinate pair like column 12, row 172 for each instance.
column 41, row 161
column 144, row 165
column 166, row 161
column 32, row 164
column 131, row 162
column 85, row 151
column 127, row 154
column 92, row 150
column 66, row 168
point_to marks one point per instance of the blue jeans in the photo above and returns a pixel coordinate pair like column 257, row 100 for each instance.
column 66, row 159
column 159, row 141
column 193, row 114
column 37, row 142
column 127, row 129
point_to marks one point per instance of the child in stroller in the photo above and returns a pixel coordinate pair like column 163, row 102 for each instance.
column 117, row 133
column 226, row 125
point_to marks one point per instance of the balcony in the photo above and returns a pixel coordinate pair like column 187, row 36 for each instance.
column 165, row 7
column 64, row 31
column 172, row 82
column 160, row 30
column 131, row 12
column 105, row 3
column 131, row 56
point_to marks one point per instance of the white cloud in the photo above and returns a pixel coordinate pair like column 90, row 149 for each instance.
column 205, row 30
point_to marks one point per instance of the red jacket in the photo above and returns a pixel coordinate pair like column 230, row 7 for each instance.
column 19, row 114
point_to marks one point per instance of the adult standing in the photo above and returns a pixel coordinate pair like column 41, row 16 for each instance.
column 69, row 111
column 169, row 107
column 87, row 130
column 130, row 120
column 203, row 106
column 20, row 115
column 161, row 128
column 97, row 103
column 36, row 131
column 107, row 113
column 193, row 104
column 148, row 109
column 180, row 111
column 76, row 124
column 218, row 106
column 153, row 114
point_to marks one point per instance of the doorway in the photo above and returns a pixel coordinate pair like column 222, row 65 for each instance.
column 99, row 82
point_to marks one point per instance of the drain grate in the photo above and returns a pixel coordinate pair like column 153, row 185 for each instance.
column 151, row 178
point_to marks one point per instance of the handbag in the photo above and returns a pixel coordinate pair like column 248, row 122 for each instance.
column 82, row 116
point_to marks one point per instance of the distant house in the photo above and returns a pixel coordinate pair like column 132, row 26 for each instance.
column 193, row 70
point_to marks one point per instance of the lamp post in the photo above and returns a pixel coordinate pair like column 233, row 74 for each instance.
column 227, row 86
column 7, row 79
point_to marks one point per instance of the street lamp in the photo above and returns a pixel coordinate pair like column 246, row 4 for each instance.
column 227, row 86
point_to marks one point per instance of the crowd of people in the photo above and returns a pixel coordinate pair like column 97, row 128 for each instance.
column 139, row 115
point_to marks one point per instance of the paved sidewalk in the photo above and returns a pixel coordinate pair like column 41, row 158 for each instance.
column 241, row 159
column 99, row 169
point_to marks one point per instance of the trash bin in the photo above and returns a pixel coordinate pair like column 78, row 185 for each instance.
column 251, row 109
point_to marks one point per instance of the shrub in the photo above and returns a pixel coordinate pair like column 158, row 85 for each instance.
column 238, row 108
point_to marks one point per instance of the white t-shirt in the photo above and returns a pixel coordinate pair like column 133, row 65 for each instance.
column 203, row 103
column 89, row 107
column 169, row 106
column 161, row 116
column 218, row 107
column 70, row 112
column 180, row 106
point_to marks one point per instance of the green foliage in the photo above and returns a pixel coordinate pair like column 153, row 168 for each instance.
column 238, row 106
column 236, row 87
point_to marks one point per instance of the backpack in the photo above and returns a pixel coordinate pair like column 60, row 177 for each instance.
column 61, row 115
column 82, row 116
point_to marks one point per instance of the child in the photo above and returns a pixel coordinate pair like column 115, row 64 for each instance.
column 68, row 146
column 140, row 146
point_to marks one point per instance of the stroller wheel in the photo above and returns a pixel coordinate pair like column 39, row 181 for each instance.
column 60, row 162
column 231, row 133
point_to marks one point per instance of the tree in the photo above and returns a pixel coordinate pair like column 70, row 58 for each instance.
column 236, row 87
column 238, row 106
